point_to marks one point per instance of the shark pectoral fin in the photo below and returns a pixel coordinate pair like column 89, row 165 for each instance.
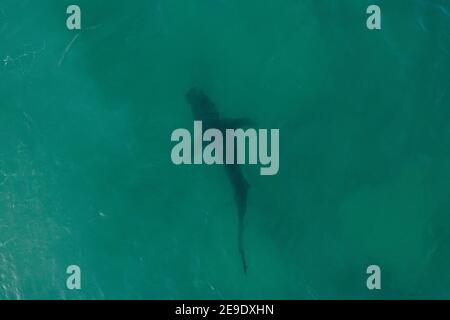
column 238, row 123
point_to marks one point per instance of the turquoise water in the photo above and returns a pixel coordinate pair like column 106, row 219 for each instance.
column 85, row 170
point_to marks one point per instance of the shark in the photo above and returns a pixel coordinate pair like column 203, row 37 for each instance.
column 205, row 110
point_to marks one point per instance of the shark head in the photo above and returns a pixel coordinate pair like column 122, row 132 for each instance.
column 202, row 107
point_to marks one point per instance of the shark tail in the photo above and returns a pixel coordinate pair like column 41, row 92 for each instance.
column 241, row 243
column 242, row 209
column 241, row 188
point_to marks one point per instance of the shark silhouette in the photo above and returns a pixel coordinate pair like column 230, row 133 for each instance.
column 204, row 110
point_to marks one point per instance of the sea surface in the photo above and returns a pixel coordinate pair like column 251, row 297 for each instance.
column 86, row 177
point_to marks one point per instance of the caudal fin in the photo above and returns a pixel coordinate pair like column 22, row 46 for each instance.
column 241, row 244
column 240, row 186
column 242, row 208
